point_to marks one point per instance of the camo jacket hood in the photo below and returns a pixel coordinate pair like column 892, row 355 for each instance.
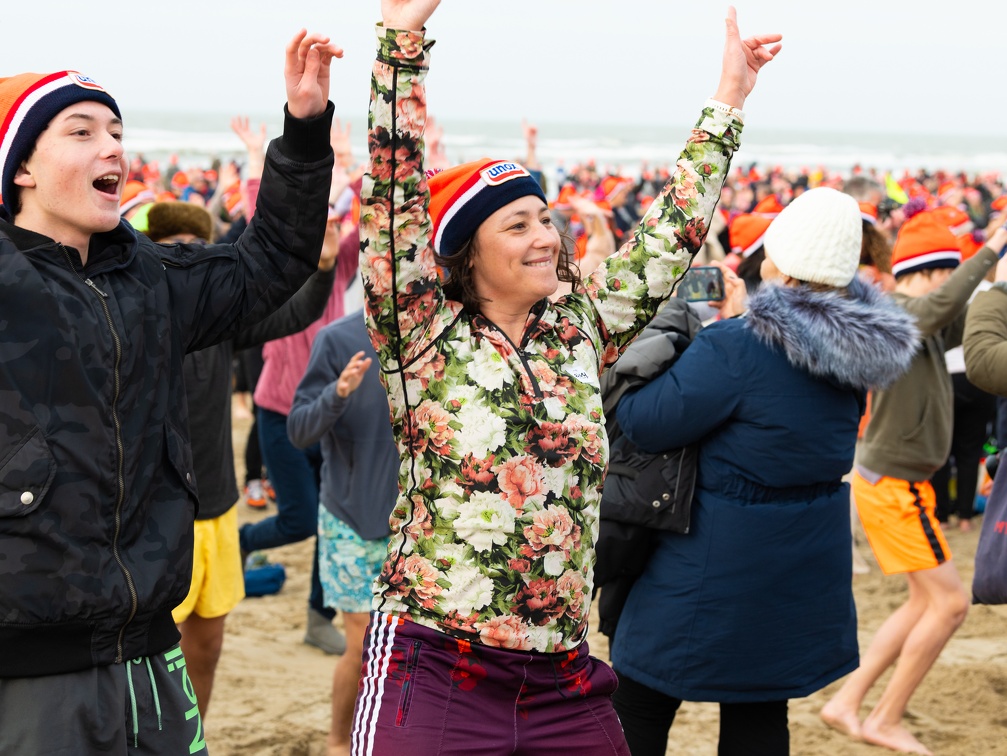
column 97, row 490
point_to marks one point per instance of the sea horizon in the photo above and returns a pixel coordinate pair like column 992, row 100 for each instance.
column 198, row 138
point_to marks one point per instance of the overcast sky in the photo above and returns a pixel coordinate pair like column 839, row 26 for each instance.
column 859, row 65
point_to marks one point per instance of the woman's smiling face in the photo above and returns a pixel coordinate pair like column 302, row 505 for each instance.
column 516, row 251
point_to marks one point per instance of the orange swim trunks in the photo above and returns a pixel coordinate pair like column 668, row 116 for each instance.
column 898, row 519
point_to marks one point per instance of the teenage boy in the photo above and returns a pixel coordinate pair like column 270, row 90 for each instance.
column 342, row 405
column 97, row 490
column 905, row 443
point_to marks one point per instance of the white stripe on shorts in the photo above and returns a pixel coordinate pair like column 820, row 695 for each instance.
column 379, row 653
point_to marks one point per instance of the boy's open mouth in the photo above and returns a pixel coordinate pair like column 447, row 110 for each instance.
column 107, row 184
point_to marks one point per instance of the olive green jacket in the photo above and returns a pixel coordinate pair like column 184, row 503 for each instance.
column 985, row 341
column 909, row 432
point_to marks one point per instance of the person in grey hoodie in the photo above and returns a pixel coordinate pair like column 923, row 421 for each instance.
column 342, row 404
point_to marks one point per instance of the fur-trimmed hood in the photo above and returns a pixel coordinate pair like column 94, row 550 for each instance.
column 863, row 340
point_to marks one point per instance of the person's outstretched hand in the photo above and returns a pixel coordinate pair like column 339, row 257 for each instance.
column 306, row 72
column 254, row 141
column 743, row 58
column 330, row 245
column 408, row 15
column 352, row 375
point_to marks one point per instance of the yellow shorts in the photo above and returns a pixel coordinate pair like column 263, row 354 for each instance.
column 218, row 583
column 898, row 519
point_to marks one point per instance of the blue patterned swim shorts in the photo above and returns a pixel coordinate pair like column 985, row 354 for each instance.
column 347, row 564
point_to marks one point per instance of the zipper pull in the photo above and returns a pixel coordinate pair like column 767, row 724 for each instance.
column 91, row 283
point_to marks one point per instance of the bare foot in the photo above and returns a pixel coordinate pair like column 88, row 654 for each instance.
column 965, row 526
column 895, row 737
column 841, row 720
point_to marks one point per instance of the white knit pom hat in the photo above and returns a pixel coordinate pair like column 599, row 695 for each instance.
column 817, row 238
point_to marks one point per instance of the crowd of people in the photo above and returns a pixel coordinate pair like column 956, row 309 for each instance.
column 446, row 445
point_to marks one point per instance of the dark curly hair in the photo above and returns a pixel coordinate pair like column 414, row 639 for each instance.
column 459, row 284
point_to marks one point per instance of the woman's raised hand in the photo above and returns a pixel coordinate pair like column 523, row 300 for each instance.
column 408, row 15
column 743, row 58
column 306, row 72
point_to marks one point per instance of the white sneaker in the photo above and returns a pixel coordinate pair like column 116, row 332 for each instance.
column 255, row 495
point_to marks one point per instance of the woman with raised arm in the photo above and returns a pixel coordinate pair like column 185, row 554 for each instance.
column 476, row 643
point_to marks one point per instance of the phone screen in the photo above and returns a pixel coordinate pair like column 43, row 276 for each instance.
column 702, row 284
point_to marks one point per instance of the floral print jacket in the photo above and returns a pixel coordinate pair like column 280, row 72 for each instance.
column 503, row 444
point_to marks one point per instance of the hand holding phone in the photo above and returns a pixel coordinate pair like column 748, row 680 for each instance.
column 704, row 283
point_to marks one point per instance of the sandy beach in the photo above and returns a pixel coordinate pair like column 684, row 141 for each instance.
column 271, row 695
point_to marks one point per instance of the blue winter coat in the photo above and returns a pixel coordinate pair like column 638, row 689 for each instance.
column 755, row 603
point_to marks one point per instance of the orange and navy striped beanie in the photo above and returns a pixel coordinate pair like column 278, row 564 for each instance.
column 28, row 102
column 462, row 197
column 924, row 242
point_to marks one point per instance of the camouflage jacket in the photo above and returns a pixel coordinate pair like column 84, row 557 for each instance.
column 97, row 493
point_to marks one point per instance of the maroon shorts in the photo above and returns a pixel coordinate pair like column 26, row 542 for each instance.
column 425, row 693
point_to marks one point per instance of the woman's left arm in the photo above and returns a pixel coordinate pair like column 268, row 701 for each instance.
column 630, row 286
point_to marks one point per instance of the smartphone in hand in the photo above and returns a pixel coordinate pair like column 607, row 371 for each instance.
column 703, row 283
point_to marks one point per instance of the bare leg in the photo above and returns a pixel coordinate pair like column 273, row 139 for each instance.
column 947, row 606
column 842, row 712
column 202, row 640
column 345, row 680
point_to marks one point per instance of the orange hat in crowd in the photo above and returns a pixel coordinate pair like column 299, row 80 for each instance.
column 925, row 242
column 1000, row 203
column 769, row 206
column 746, row 233
column 961, row 225
column 234, row 200
column 956, row 219
column 946, row 187
column 562, row 201
column 611, row 186
column 869, row 212
column 134, row 193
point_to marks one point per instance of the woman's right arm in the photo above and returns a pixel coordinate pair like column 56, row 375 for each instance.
column 403, row 298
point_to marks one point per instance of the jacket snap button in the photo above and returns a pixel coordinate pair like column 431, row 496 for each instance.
column 665, row 496
column 655, row 504
column 188, row 477
column 27, row 498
